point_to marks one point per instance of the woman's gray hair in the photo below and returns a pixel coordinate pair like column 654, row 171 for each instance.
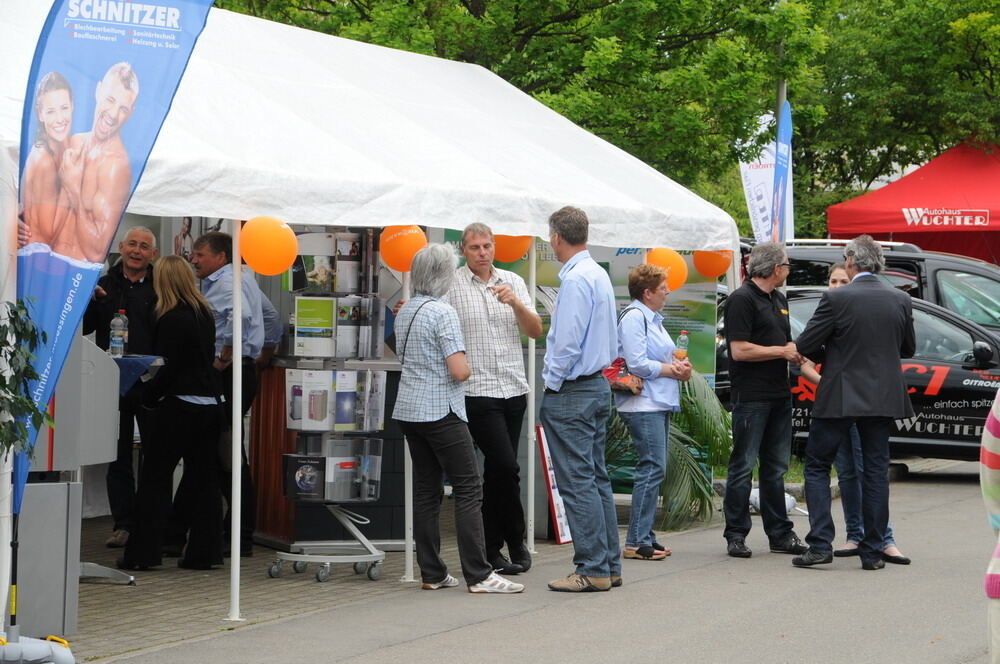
column 433, row 270
column 764, row 257
column 867, row 254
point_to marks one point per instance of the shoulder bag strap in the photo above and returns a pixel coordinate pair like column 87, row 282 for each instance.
column 406, row 338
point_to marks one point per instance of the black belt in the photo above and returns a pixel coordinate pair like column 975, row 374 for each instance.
column 596, row 374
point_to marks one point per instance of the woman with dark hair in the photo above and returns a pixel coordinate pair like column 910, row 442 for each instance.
column 850, row 465
column 649, row 354
column 54, row 111
column 187, row 420
column 430, row 409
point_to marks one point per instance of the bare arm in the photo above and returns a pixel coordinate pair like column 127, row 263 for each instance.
column 809, row 372
column 458, row 366
column 745, row 351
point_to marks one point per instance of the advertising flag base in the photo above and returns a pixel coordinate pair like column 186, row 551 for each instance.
column 35, row 651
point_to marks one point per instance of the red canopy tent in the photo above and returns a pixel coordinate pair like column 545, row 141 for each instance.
column 951, row 203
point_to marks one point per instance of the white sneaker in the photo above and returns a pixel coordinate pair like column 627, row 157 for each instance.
column 448, row 582
column 495, row 583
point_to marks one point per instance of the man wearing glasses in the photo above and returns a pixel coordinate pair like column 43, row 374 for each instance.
column 759, row 341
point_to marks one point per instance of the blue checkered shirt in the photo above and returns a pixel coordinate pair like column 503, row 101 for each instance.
column 427, row 392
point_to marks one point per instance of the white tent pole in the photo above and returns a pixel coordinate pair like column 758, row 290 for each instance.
column 407, row 484
column 532, row 278
column 236, row 497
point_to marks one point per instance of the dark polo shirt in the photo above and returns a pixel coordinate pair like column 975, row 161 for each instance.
column 762, row 319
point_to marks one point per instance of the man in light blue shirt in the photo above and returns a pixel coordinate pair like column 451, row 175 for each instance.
column 582, row 341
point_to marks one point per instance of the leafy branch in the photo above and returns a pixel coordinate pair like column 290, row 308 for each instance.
column 19, row 338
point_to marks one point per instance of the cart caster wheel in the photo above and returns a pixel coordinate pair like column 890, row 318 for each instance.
column 299, row 566
column 359, row 568
column 323, row 573
column 274, row 570
column 375, row 572
column 132, row 583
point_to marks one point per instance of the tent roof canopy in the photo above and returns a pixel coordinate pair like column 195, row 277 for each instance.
column 957, row 191
column 314, row 129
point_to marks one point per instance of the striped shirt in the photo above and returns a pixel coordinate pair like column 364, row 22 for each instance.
column 492, row 337
column 989, row 480
column 427, row 332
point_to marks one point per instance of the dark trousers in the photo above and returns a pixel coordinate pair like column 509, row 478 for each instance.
column 444, row 448
column 182, row 431
column 185, row 506
column 762, row 432
column 121, row 477
column 826, row 436
column 495, row 425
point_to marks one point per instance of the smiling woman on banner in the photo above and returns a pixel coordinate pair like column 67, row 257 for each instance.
column 54, row 112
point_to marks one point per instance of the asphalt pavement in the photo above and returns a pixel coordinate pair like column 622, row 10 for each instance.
column 696, row 606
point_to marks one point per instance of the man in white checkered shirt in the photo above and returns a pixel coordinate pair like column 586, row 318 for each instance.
column 494, row 307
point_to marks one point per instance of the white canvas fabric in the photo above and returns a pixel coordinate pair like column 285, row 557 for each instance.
column 314, row 129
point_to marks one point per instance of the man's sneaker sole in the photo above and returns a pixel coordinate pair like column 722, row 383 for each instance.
column 448, row 582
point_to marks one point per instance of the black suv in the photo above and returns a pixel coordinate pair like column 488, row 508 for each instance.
column 967, row 286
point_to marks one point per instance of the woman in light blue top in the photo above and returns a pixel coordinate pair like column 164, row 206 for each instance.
column 649, row 353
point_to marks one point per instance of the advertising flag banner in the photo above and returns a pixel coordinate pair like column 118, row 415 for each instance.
column 758, row 189
column 781, row 222
column 101, row 83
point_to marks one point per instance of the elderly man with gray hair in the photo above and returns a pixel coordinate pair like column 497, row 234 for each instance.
column 759, row 340
column 859, row 332
column 430, row 409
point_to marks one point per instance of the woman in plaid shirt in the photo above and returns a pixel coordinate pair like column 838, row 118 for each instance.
column 430, row 409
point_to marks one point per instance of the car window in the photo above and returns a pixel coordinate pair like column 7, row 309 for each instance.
column 800, row 310
column 808, row 272
column 974, row 296
column 939, row 339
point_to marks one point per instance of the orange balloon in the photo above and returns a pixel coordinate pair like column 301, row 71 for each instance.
column 510, row 248
column 712, row 264
column 268, row 245
column 399, row 244
column 672, row 262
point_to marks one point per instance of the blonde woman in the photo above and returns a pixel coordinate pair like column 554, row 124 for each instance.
column 187, row 419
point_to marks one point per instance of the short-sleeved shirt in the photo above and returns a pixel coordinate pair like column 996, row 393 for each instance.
column 427, row 332
column 762, row 319
column 492, row 337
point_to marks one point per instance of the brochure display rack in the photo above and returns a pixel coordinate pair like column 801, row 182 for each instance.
column 336, row 411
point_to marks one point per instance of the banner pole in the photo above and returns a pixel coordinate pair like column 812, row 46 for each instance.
column 407, row 485
column 236, row 459
column 532, row 279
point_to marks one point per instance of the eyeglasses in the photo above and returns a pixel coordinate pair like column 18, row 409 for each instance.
column 788, row 265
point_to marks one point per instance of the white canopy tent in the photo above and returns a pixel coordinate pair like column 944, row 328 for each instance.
column 318, row 130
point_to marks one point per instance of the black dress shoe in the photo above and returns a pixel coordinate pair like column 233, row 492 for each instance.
column 738, row 548
column 121, row 563
column 503, row 566
column 520, row 556
column 172, row 550
column 895, row 560
column 810, row 558
column 846, row 553
column 791, row 544
column 878, row 563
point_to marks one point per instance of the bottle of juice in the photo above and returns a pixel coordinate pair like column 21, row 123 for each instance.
column 681, row 351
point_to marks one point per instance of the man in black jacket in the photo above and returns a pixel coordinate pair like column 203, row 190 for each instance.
column 861, row 330
column 127, row 285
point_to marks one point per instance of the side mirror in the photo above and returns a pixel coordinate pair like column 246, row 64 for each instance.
column 983, row 353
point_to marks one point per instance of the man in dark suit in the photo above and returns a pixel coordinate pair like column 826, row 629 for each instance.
column 861, row 331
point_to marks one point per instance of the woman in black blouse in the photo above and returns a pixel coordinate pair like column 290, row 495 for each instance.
column 186, row 422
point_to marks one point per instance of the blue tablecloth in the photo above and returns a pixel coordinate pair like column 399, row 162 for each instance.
column 130, row 368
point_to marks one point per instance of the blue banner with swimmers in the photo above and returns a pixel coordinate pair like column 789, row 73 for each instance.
column 782, row 174
column 101, row 83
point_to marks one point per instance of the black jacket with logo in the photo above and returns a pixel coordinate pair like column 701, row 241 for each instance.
column 137, row 299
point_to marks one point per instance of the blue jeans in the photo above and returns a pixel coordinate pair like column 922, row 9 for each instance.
column 576, row 423
column 850, row 466
column 762, row 430
column 649, row 435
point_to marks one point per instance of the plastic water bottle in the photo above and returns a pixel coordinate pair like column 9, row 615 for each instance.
column 681, row 351
column 119, row 334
